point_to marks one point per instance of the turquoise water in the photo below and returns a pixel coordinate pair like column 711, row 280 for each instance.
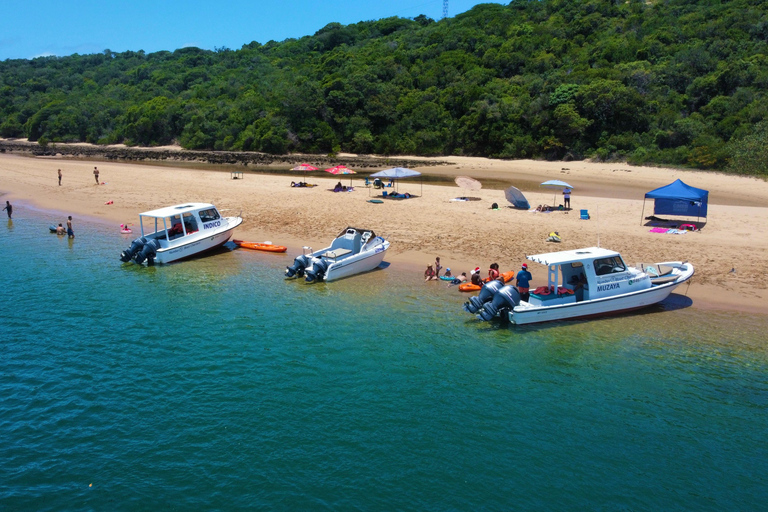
column 215, row 384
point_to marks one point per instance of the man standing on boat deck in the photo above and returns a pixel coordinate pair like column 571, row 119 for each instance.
column 523, row 282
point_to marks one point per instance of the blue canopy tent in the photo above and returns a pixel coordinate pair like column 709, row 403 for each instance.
column 677, row 198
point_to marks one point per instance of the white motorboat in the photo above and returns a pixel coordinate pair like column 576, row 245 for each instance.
column 581, row 283
column 353, row 251
column 175, row 232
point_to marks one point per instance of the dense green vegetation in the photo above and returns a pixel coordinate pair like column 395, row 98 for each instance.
column 674, row 82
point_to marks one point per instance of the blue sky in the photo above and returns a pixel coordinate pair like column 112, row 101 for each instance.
column 56, row 27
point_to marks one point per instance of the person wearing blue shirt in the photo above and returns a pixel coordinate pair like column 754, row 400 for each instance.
column 523, row 282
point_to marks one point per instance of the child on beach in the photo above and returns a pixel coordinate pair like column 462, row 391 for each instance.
column 429, row 274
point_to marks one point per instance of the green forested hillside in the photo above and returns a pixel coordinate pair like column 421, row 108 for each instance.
column 674, row 82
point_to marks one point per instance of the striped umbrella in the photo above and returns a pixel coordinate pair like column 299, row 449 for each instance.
column 341, row 169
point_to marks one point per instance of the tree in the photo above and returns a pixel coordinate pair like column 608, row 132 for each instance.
column 749, row 155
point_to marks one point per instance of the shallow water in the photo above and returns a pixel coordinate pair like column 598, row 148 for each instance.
column 214, row 383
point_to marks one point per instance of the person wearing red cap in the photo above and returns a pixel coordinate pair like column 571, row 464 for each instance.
column 475, row 279
column 523, row 282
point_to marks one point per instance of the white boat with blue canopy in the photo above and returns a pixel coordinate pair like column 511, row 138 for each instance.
column 176, row 232
column 581, row 283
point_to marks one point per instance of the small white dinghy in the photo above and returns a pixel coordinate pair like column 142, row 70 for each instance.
column 581, row 283
column 352, row 252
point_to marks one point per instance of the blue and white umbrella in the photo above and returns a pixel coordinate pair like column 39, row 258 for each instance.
column 517, row 198
column 556, row 184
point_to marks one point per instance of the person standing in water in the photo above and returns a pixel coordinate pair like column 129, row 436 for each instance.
column 8, row 208
column 59, row 177
column 70, row 233
column 96, row 174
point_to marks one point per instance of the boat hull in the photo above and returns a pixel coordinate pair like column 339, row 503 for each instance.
column 358, row 264
column 197, row 245
column 526, row 314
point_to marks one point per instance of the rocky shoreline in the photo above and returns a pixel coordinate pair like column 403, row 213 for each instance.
column 242, row 158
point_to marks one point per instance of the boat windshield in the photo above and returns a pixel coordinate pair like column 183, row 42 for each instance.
column 209, row 215
column 611, row 265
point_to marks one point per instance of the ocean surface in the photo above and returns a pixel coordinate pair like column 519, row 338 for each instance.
column 215, row 384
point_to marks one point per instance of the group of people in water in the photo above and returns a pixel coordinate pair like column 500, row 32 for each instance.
column 61, row 230
column 522, row 278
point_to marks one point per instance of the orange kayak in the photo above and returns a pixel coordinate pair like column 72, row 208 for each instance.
column 469, row 287
column 256, row 246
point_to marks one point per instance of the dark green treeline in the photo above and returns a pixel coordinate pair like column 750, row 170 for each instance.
column 673, row 82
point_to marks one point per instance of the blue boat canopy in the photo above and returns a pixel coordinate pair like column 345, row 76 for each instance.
column 677, row 198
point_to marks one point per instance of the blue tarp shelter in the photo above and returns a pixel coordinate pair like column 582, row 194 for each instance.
column 677, row 198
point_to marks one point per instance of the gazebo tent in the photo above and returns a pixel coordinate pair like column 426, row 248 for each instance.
column 677, row 198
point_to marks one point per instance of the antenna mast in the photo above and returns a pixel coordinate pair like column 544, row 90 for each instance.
column 445, row 9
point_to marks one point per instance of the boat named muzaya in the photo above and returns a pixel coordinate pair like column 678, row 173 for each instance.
column 581, row 283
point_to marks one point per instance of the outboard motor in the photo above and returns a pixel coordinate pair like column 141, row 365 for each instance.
column 299, row 264
column 135, row 247
column 148, row 252
column 474, row 304
column 317, row 272
column 504, row 300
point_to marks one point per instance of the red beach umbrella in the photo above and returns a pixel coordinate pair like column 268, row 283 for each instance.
column 304, row 168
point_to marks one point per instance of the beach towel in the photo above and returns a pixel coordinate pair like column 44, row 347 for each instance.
column 659, row 230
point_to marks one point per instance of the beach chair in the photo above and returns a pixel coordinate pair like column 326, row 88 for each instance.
column 367, row 182
column 584, row 215
column 377, row 183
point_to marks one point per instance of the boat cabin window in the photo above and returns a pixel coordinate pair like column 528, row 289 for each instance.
column 611, row 265
column 209, row 215
column 174, row 227
column 190, row 223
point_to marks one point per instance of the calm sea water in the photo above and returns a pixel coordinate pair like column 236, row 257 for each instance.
column 215, row 384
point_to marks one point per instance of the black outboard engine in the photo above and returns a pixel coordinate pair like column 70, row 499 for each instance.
column 317, row 272
column 504, row 300
column 474, row 304
column 135, row 247
column 148, row 252
column 299, row 264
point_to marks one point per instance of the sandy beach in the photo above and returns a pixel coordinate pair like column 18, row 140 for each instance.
column 730, row 254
